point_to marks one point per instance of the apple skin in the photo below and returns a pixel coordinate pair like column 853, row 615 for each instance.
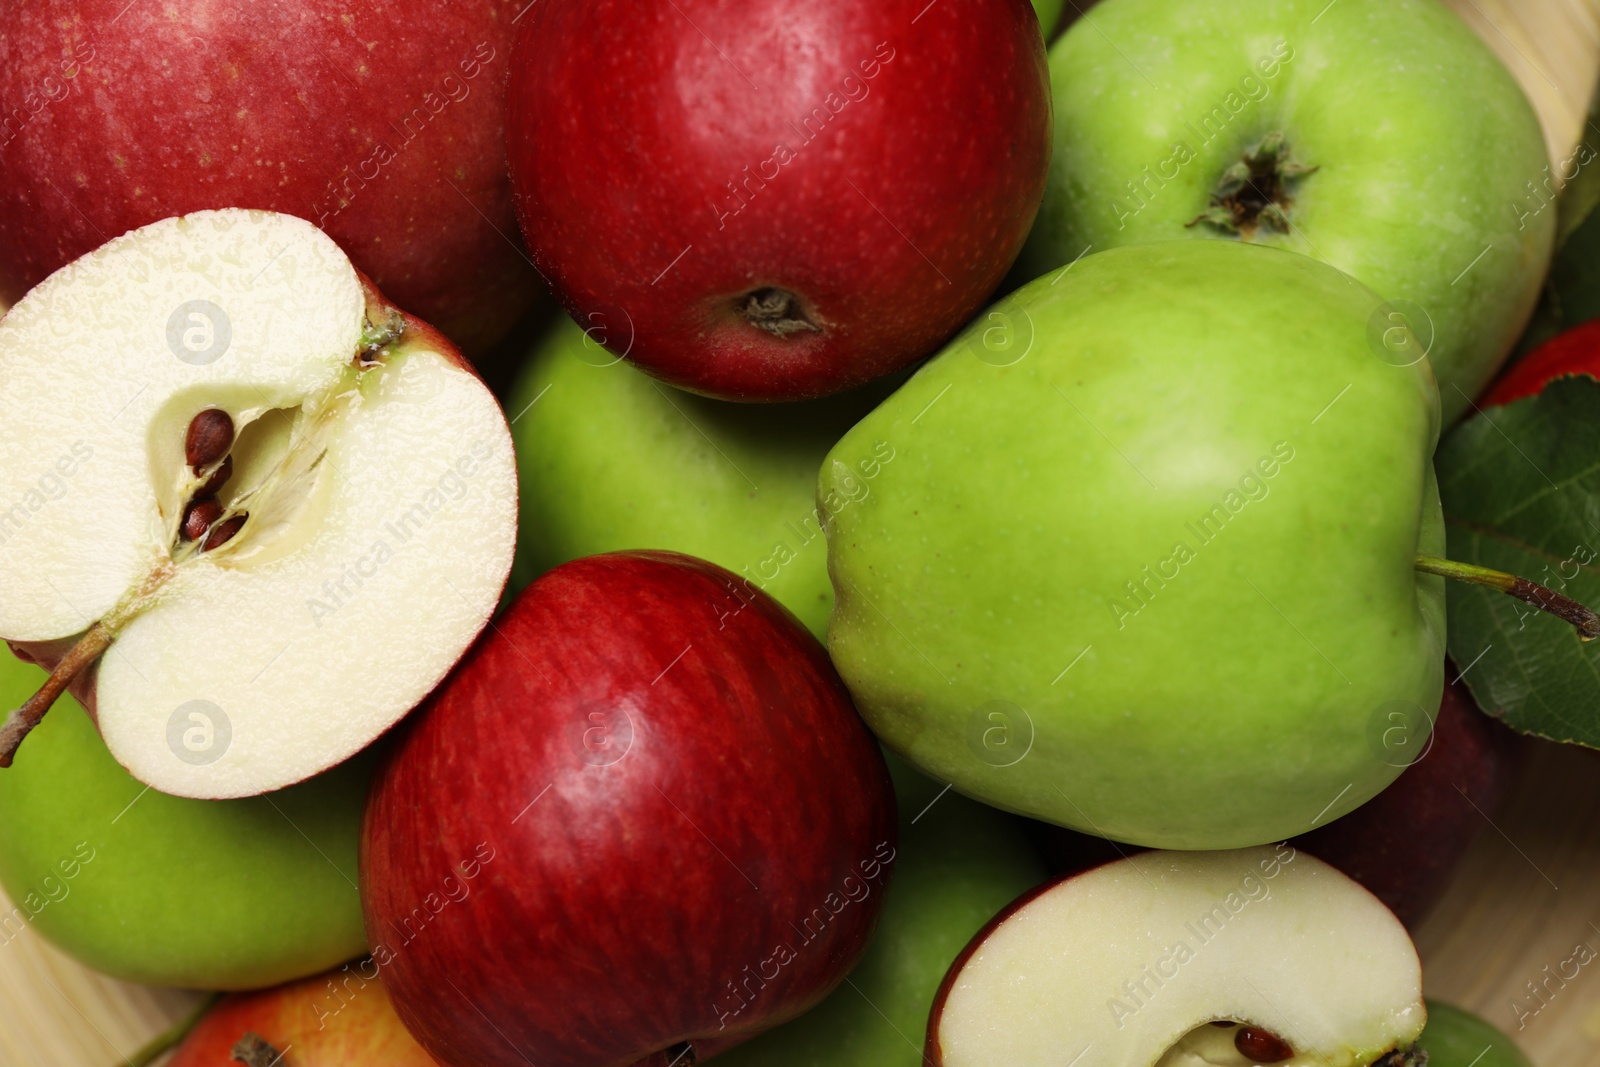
column 1049, row 12
column 1576, row 351
column 339, row 1019
column 136, row 114
column 1404, row 843
column 206, row 894
column 611, row 459
column 1157, row 382
column 891, row 218
column 1458, row 1038
column 1404, row 205
column 959, row 863
column 590, row 891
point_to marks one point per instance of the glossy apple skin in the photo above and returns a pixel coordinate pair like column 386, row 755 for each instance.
column 892, row 216
column 1404, row 843
column 1457, row 1038
column 654, row 776
column 1575, row 352
column 206, row 894
column 611, row 459
column 133, row 114
column 1033, row 485
column 959, row 863
column 339, row 1019
column 1406, row 206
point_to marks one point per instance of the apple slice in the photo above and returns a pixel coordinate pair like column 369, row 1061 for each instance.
column 290, row 506
column 1186, row 959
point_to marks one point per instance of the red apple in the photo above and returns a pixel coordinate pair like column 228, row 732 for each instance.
column 382, row 121
column 1403, row 844
column 640, row 823
column 339, row 1019
column 769, row 200
column 1575, row 352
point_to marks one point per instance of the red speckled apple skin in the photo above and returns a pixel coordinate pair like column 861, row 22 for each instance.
column 643, row 811
column 882, row 161
column 382, row 121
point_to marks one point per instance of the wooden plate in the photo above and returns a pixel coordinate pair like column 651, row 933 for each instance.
column 1505, row 942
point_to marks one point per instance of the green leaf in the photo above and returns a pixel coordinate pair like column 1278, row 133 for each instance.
column 1521, row 492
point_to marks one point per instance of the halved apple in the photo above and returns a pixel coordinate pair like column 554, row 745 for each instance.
column 1186, row 959
column 249, row 510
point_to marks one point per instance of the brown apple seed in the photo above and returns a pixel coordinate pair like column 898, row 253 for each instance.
column 224, row 531
column 217, row 480
column 198, row 517
column 1261, row 1046
column 209, row 438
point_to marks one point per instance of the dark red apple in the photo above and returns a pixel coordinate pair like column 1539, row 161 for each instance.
column 382, row 121
column 640, row 823
column 769, row 200
column 1403, row 844
column 1575, row 352
column 339, row 1019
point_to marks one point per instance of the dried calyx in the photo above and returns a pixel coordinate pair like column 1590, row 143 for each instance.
column 1255, row 191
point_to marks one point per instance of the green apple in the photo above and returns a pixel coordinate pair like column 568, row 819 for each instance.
column 1143, row 565
column 1049, row 12
column 958, row 864
column 208, row 894
column 1457, row 1038
column 1409, row 157
column 611, row 459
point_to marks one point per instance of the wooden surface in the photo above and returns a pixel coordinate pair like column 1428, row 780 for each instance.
column 1526, row 899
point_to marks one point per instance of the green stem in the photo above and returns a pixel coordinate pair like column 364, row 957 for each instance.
column 1564, row 608
column 166, row 1039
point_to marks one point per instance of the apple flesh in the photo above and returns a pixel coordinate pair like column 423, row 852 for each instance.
column 385, row 127
column 1170, row 959
column 356, row 494
column 1164, row 110
column 202, row 894
column 666, row 827
column 772, row 201
column 1144, row 562
column 611, row 459
column 343, row 1018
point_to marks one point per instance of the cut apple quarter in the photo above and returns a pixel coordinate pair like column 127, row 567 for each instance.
column 249, row 510
column 1186, row 959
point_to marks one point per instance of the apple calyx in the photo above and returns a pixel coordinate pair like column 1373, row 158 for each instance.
column 253, row 1050
column 1585, row 621
column 214, row 511
column 777, row 311
column 1254, row 192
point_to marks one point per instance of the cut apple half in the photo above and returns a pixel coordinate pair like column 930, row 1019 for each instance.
column 1186, row 959
column 251, row 512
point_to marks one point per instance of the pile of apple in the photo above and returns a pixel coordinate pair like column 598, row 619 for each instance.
column 1149, row 552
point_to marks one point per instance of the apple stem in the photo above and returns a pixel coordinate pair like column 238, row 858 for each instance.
column 1547, row 600
column 19, row 723
column 151, row 1050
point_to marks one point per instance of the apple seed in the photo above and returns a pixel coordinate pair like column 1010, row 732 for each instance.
column 1261, row 1046
column 223, row 532
column 217, row 480
column 209, row 438
column 198, row 517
